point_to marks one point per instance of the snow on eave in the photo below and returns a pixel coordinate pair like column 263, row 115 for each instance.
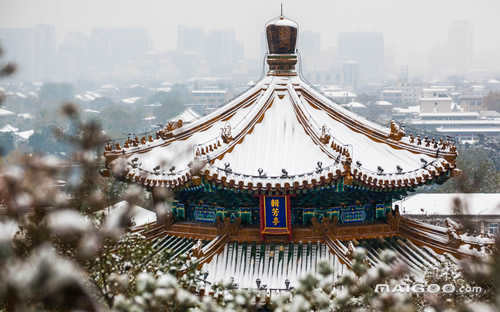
column 140, row 216
column 343, row 111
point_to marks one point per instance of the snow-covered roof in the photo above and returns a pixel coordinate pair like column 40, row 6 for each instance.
column 210, row 91
column 8, row 128
column 25, row 135
column 392, row 91
column 469, row 130
column 164, row 89
column 407, row 110
column 88, row 96
column 450, row 114
column 131, row 100
column 287, row 128
column 92, row 111
column 140, row 216
column 489, row 114
column 383, row 103
column 25, row 116
column 434, row 89
column 339, row 94
column 21, row 95
column 479, row 122
column 187, row 116
column 435, row 99
column 442, row 203
column 153, row 105
column 4, row 112
column 354, row 105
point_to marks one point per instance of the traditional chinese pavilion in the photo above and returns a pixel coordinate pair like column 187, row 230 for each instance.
column 281, row 177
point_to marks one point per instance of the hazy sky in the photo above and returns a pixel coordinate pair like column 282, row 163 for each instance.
column 410, row 27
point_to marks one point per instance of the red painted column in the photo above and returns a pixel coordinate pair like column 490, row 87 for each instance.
column 261, row 204
column 289, row 216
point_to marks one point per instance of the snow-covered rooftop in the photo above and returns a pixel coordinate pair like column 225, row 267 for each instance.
column 25, row 116
column 187, row 116
column 8, row 128
column 277, row 126
column 450, row 114
column 469, row 130
column 88, row 96
column 210, row 91
column 383, row 103
column 131, row 100
column 392, row 91
column 339, row 94
column 354, row 105
column 407, row 110
column 25, row 135
column 4, row 112
column 140, row 216
column 92, row 111
column 442, row 203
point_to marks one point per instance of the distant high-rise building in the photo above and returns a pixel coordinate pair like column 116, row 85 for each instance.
column 74, row 57
column 366, row 48
column 350, row 74
column 33, row 49
column 223, row 51
column 460, row 46
column 111, row 47
column 218, row 49
column 403, row 75
column 309, row 47
column 190, row 39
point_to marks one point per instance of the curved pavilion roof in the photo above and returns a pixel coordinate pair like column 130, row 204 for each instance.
column 297, row 136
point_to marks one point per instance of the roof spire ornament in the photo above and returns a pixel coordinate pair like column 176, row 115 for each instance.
column 281, row 34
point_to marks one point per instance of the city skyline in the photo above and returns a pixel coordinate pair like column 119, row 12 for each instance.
column 406, row 41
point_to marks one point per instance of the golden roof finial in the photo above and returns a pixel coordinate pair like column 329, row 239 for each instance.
column 281, row 14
